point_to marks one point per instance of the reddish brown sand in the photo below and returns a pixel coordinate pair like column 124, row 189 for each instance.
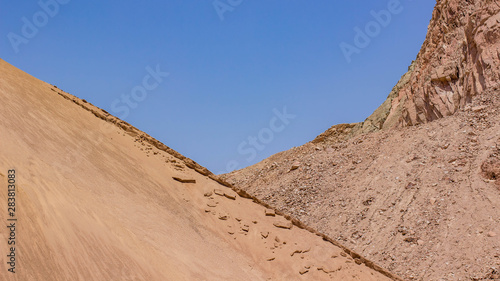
column 94, row 201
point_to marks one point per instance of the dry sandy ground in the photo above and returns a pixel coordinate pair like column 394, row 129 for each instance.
column 94, row 201
column 422, row 201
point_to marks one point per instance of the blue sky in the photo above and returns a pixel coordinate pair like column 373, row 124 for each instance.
column 233, row 65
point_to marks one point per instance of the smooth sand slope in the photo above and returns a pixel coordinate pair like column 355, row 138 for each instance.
column 95, row 201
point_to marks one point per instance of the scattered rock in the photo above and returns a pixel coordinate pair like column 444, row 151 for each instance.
column 264, row 234
column 478, row 108
column 230, row 194
column 491, row 168
column 271, row 259
column 245, row 228
column 445, row 146
column 432, row 200
column 410, row 185
column 329, row 270
column 223, row 217
column 411, row 239
column 270, row 212
column 208, row 193
column 184, row 180
column 295, row 166
column 492, row 234
column 219, row 192
column 212, row 205
column 285, row 225
column 304, row 271
column 368, row 201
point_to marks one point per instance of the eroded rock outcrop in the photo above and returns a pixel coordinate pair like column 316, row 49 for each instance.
column 459, row 59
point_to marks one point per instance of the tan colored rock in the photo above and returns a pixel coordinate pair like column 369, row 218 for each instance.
column 303, row 271
column 329, row 268
column 230, row 194
column 270, row 212
column 285, row 225
column 219, row 192
column 295, row 166
column 184, row 180
column 478, row 108
column 223, row 217
column 491, row 168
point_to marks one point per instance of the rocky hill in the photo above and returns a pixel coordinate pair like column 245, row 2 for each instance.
column 419, row 197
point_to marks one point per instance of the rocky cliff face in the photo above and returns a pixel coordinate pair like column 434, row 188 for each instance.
column 460, row 58
column 91, row 197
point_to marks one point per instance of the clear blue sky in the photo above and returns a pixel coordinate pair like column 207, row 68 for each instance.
column 228, row 70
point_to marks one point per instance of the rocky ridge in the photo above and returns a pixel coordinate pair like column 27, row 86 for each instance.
column 459, row 59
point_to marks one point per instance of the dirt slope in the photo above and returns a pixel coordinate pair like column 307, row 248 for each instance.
column 420, row 198
column 96, row 200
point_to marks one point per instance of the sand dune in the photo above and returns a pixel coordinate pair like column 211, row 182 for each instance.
column 96, row 200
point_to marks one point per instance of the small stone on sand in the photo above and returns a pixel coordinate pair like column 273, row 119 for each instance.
column 285, row 225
